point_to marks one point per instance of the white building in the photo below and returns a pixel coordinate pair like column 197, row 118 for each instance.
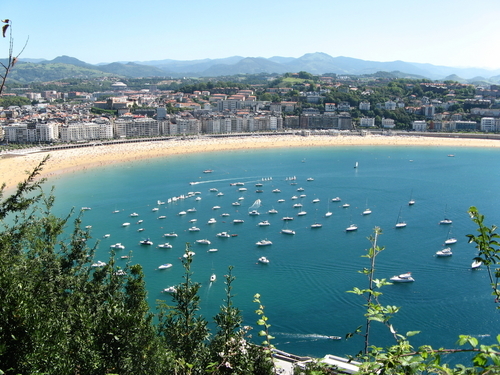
column 488, row 124
column 330, row 107
column 85, row 131
column 364, row 106
column 367, row 122
column 388, row 123
column 419, row 126
column 390, row 105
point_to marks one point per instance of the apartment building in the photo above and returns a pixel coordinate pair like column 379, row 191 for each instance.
column 85, row 131
column 129, row 126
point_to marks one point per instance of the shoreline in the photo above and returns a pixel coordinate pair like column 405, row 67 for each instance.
column 13, row 169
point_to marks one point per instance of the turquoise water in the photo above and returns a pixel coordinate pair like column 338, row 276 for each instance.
column 304, row 286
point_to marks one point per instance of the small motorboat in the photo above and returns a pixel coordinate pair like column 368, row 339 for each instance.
column 264, row 243
column 223, row 235
column 316, row 225
column 336, row 199
column 351, row 228
column 238, row 221
column 263, row 260
column 476, row 264
column 203, row 242
column 171, row 234
column 403, row 278
column 134, row 214
column 444, row 252
column 170, row 289
column 147, row 241
column 213, row 277
column 211, row 221
column 194, row 229
column 165, row 266
column 99, row 263
column 287, row 231
column 213, row 250
column 165, row 245
column 264, row 223
column 117, row 246
column 335, row 337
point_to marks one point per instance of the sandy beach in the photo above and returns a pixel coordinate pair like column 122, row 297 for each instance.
column 14, row 169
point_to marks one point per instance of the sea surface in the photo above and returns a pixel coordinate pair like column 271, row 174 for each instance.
column 304, row 287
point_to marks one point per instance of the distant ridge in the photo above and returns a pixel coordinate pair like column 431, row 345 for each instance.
column 315, row 63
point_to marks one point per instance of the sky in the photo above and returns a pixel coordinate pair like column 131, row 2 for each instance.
column 454, row 33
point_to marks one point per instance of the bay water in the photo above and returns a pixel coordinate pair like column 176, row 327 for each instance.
column 304, row 287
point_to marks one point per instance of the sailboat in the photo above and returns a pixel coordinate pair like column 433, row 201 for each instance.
column 356, row 165
column 450, row 240
column 352, row 227
column 328, row 213
column 400, row 223
column 367, row 211
column 411, row 202
column 446, row 221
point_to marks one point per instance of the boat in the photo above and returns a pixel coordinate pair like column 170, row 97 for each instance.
column 189, row 254
column 213, row 189
column 203, row 242
column 208, row 171
column 264, row 223
column 241, row 198
column 444, row 252
column 213, row 277
column 287, row 231
column 403, row 278
column 351, row 228
column 147, row 241
column 212, row 250
column 446, row 221
column 197, row 199
column 315, row 200
column 287, row 218
column 211, row 221
column 300, row 189
column 140, row 229
column 294, row 197
column 139, row 221
column 450, row 240
column 215, row 207
column 236, row 204
column 263, row 260
column 238, row 221
column 242, row 189
column 302, row 196
column 367, row 211
column 88, row 227
column 116, row 211
column 155, row 209
column 476, row 264
column 301, row 213
column 120, row 273
column 280, row 200
column 356, row 165
column 411, row 202
column 125, row 257
column 265, row 242
column 191, row 210
column 165, row 266
column 99, row 263
column 310, row 179
column 125, row 224
column 223, row 235
column 335, row 337
column 194, row 229
column 328, row 214
column 117, row 246
column 346, row 205
column 258, row 184
column 193, row 220
column 171, row 234
column 316, row 225
column 182, row 213
column 162, row 217
column 170, row 289
column 106, row 236
column 400, row 223
column 220, row 194
column 160, row 202
column 259, row 191
column 272, row 211
column 276, row 191
column 297, row 205
column 254, row 213
column 165, row 245
column 134, row 214
column 225, row 214
column 86, row 208
column 336, row 199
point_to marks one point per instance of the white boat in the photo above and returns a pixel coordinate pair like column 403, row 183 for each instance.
column 315, row 200
column 170, row 289
column 399, row 222
column 86, row 208
column 225, row 214
column 263, row 260
column 197, row 199
column 140, row 229
column 280, row 200
column 88, row 227
column 208, row 171
column 160, row 202
column 139, row 221
column 213, row 189
column 223, row 235
column 211, row 221
column 215, row 207
column 294, row 197
column 297, row 205
column 98, row 264
column 287, row 218
column 403, row 278
column 193, row 220
column 165, row 245
column 125, row 224
column 264, row 223
column 117, row 246
column 300, row 189
column 238, row 221
column 310, row 179
column 444, row 252
column 336, row 199
column 162, row 217
column 241, row 198
column 351, row 228
column 356, row 165
column 189, row 254
column 191, row 210
column 116, row 211
column 212, row 250
column 302, row 196
column 182, row 213
column 446, row 221
column 194, row 229
column 220, row 194
column 254, row 213
column 287, row 231
column 301, row 213
column 476, row 264
column 124, row 257
column 272, row 211
column 328, row 214
column 276, row 191
column 213, row 277
column 134, row 214
column 147, row 241
column 242, row 189
column 316, row 225
column 346, row 205
column 450, row 240
column 165, row 266
column 106, row 236
column 265, row 242
column 171, row 234
column 155, row 209
column 411, row 202
column 203, row 242
column 120, row 273
column 236, row 204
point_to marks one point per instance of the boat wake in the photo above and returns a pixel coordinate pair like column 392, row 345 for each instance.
column 304, row 336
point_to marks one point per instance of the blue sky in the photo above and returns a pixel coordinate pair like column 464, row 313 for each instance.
column 441, row 32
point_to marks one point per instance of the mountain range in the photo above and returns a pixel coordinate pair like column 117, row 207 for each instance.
column 29, row 70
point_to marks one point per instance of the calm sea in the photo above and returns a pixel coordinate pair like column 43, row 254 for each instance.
column 304, row 286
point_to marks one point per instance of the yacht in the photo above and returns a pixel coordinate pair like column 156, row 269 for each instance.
column 403, row 278
column 238, row 221
column 367, row 212
column 203, row 242
column 444, row 252
column 302, row 213
column 125, row 224
column 236, row 204
column 446, row 221
column 191, row 210
column 223, row 235
column 287, row 231
column 351, row 228
column 147, row 241
column 272, row 211
column 225, row 214
column 155, row 209
column 197, row 199
column 211, row 221
column 294, row 197
column 310, row 179
column 276, row 191
column 215, row 207
column 281, row 200
column 297, row 205
column 336, row 199
column 263, row 260
column 182, row 213
column 264, row 223
column 254, row 213
column 165, row 266
column 213, row 189
column 346, row 205
column 106, row 236
column 212, row 250
column 99, row 263
column 162, row 217
column 264, row 243
column 476, row 264
column 220, row 194
column 213, row 277
column 287, row 218
column 170, row 289
column 171, row 234
column 194, row 229
column 300, row 189
column 117, row 246
column 165, row 245
column 242, row 189
column 316, row 225
column 134, row 214
column 315, row 200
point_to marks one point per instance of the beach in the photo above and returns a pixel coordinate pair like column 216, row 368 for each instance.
column 13, row 169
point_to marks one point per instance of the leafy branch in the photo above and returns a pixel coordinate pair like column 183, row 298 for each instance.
column 11, row 60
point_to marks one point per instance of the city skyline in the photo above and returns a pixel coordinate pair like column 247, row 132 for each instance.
column 448, row 33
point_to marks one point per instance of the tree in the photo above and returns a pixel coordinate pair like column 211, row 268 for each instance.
column 12, row 59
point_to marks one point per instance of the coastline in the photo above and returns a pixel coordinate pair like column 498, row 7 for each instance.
column 14, row 169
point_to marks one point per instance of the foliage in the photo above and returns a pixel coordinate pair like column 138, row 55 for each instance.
column 16, row 101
